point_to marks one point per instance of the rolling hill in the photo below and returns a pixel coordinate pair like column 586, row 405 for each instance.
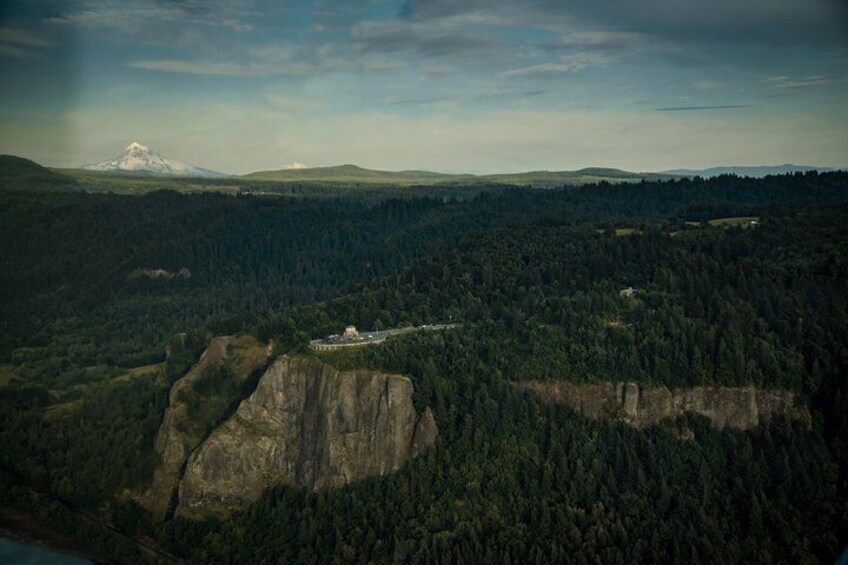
column 352, row 174
column 18, row 173
column 759, row 171
column 547, row 179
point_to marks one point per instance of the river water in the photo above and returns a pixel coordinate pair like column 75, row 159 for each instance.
column 17, row 553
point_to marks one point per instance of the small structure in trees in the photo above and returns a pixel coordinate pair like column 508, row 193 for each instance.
column 628, row 292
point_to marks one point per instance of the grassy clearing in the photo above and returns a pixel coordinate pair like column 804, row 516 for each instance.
column 136, row 372
column 622, row 232
column 740, row 221
column 743, row 222
column 55, row 411
column 7, row 375
column 619, row 232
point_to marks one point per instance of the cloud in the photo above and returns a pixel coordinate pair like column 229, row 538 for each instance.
column 288, row 105
column 222, row 69
column 134, row 16
column 439, row 71
column 567, row 64
column 699, row 108
column 24, row 37
column 16, row 52
column 425, row 40
column 464, row 97
column 790, row 83
column 739, row 21
column 394, row 100
column 116, row 17
column 276, row 52
column 706, row 85
column 597, row 40
column 733, row 33
column 23, row 44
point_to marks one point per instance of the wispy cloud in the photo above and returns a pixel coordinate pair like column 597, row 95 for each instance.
column 134, row 15
column 567, row 64
column 23, row 44
column 289, row 105
column 439, row 71
column 24, row 37
column 706, row 85
column 792, row 83
column 699, row 108
column 754, row 21
column 601, row 40
column 16, row 52
column 465, row 97
column 276, row 52
column 222, row 69
column 302, row 63
column 116, row 17
column 394, row 100
column 421, row 39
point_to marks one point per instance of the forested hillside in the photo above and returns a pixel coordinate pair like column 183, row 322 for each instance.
column 19, row 174
column 94, row 287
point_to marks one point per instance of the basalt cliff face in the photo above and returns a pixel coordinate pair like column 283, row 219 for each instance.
column 740, row 408
column 305, row 424
column 179, row 434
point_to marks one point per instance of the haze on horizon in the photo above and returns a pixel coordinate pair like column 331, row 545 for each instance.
column 483, row 86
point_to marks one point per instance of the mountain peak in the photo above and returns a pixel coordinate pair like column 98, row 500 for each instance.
column 295, row 166
column 139, row 158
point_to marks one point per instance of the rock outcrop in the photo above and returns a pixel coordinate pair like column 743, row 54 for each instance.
column 179, row 434
column 740, row 408
column 306, row 424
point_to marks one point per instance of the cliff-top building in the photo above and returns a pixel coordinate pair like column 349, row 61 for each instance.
column 351, row 337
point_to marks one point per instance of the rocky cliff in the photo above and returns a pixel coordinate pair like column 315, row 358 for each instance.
column 736, row 407
column 232, row 358
column 306, row 424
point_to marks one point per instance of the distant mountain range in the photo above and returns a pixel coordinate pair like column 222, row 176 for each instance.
column 139, row 158
column 148, row 165
column 747, row 171
column 352, row 174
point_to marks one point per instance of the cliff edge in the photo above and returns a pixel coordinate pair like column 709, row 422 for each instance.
column 195, row 403
column 306, row 424
column 740, row 408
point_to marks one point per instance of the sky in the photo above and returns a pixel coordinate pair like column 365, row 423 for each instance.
column 481, row 86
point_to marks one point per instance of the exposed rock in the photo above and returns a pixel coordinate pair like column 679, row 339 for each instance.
column 741, row 408
column 306, row 424
column 183, row 273
column 178, row 436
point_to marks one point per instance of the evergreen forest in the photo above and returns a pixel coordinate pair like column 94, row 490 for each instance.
column 108, row 299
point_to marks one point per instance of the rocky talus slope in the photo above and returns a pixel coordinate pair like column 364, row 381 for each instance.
column 740, row 408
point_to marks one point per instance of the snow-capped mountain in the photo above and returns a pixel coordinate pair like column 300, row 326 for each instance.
column 295, row 166
column 138, row 158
